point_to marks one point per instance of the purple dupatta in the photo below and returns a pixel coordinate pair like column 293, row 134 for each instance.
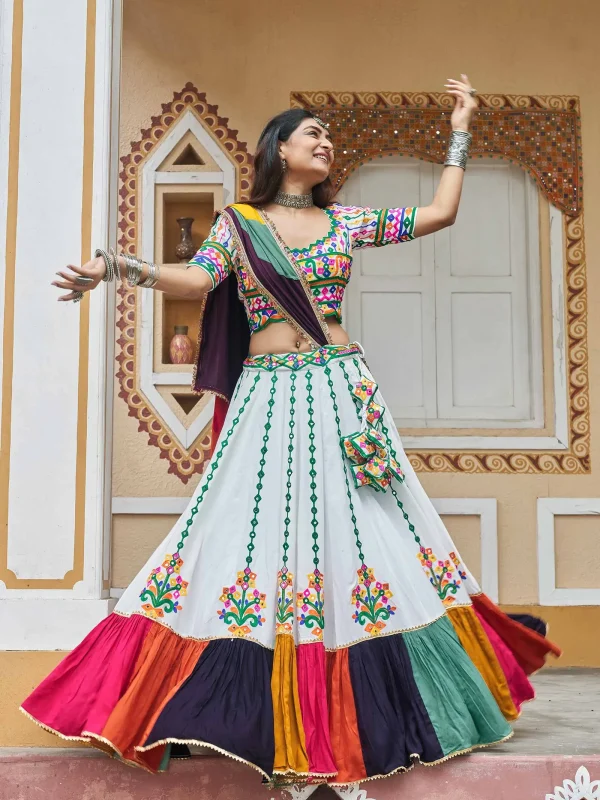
column 224, row 335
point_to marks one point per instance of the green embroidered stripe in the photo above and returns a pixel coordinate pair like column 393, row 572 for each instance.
column 214, row 464
column 380, row 232
column 289, row 472
column 355, row 399
column 350, row 503
column 409, row 222
column 312, row 472
column 261, row 471
column 251, row 294
column 386, row 432
column 317, row 283
column 238, row 387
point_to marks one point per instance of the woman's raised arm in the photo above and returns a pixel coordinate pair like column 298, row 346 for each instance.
column 444, row 208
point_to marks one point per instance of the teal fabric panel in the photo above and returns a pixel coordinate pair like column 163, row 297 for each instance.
column 266, row 247
column 462, row 709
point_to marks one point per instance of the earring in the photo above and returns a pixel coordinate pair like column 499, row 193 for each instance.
column 283, row 165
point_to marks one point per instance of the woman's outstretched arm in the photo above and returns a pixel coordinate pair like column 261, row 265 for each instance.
column 191, row 284
column 442, row 211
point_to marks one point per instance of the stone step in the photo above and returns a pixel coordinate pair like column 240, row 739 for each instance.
column 81, row 774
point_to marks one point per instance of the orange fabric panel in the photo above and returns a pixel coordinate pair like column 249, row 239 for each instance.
column 480, row 651
column 290, row 742
column 528, row 647
column 164, row 662
column 343, row 724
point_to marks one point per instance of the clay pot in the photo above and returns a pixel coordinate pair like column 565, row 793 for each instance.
column 181, row 349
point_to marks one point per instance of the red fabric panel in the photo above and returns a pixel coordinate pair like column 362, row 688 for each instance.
column 528, row 647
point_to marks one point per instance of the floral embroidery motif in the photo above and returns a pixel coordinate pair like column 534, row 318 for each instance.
column 164, row 587
column 310, row 602
column 441, row 573
column 372, row 600
column 372, row 462
column 242, row 604
column 285, row 602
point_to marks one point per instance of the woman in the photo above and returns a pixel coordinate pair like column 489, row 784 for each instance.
column 308, row 614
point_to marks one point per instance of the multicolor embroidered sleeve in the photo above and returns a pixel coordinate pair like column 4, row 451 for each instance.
column 217, row 253
column 375, row 227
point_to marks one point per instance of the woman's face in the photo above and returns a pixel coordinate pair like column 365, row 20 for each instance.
column 308, row 151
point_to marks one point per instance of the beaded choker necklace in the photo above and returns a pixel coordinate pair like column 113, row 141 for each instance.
column 294, row 200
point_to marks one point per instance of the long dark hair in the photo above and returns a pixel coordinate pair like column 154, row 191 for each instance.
column 267, row 161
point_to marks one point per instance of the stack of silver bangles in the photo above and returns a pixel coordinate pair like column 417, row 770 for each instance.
column 458, row 149
column 133, row 269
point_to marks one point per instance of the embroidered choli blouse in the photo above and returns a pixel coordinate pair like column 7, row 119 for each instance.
column 326, row 262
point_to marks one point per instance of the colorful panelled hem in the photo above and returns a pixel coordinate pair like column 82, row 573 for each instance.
column 308, row 614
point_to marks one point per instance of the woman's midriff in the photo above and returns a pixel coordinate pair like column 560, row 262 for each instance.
column 280, row 337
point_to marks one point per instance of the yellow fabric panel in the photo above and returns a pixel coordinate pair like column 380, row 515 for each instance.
column 248, row 212
column 480, row 651
column 290, row 742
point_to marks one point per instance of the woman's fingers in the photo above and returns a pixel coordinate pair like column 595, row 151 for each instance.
column 65, row 297
column 70, row 280
column 68, row 276
column 464, row 84
column 78, row 270
column 74, row 285
column 68, row 283
column 460, row 96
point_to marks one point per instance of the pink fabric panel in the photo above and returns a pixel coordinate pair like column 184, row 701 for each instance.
column 518, row 683
column 312, row 688
column 82, row 691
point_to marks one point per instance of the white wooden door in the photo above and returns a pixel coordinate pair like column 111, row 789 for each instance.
column 483, row 302
column 451, row 323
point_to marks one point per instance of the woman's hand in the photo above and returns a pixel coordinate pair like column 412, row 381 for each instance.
column 465, row 103
column 94, row 269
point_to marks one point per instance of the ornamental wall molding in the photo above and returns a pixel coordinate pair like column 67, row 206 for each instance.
column 183, row 461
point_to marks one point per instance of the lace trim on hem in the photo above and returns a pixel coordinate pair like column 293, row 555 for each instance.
column 417, row 760
column 199, row 743
column 366, row 638
column 85, row 739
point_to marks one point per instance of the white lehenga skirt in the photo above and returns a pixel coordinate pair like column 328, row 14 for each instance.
column 278, row 536
column 308, row 614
